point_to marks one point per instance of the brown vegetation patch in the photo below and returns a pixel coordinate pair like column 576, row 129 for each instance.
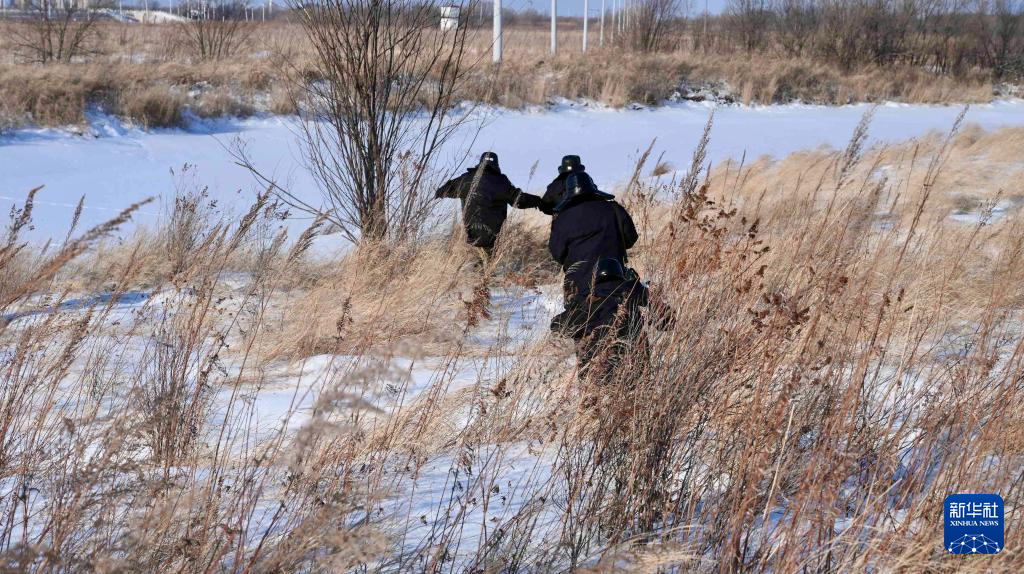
column 130, row 63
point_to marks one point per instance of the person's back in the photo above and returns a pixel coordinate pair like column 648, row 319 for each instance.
column 586, row 228
column 485, row 193
column 484, row 204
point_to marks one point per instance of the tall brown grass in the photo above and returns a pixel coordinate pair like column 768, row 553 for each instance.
column 145, row 73
column 842, row 356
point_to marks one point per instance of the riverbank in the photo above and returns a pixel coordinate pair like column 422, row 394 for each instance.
column 146, row 75
column 115, row 164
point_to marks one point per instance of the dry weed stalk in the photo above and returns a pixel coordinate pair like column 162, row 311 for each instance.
column 841, row 356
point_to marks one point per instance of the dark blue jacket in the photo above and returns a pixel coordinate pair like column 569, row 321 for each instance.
column 553, row 194
column 586, row 231
column 610, row 307
column 486, row 195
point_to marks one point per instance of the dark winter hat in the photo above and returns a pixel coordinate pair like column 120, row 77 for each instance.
column 577, row 185
column 489, row 158
column 571, row 164
column 609, row 269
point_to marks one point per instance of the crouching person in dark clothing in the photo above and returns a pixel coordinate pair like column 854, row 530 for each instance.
column 606, row 323
column 485, row 194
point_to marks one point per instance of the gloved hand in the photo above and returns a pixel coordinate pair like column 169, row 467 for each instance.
column 524, row 200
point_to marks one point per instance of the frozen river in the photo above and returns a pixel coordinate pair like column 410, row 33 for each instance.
column 114, row 165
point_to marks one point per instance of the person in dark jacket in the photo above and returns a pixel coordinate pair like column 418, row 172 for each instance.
column 607, row 323
column 485, row 193
column 588, row 225
column 553, row 194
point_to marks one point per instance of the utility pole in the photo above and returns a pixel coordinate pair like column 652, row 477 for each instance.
column 601, row 41
column 705, row 23
column 554, row 27
column 586, row 21
column 613, row 21
column 497, row 31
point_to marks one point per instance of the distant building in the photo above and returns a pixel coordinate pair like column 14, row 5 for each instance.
column 450, row 17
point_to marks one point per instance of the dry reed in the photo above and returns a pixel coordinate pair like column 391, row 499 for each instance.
column 842, row 355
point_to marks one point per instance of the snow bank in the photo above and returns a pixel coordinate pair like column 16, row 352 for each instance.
column 113, row 165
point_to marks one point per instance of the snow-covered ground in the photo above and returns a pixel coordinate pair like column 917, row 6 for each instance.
column 113, row 165
column 290, row 392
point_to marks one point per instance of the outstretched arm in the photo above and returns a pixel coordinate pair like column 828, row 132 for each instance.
column 452, row 189
column 523, row 200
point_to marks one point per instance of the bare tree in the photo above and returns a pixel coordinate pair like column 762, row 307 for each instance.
column 55, row 30
column 886, row 28
column 651, row 22
column 942, row 33
column 750, row 20
column 796, row 22
column 1007, row 44
column 216, row 29
column 840, row 37
column 380, row 108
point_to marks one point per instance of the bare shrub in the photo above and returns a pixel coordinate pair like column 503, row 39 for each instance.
column 190, row 222
column 1007, row 38
column 796, row 24
column 184, row 367
column 652, row 23
column 223, row 103
column 10, row 118
column 749, row 21
column 55, row 31
column 216, row 30
column 381, row 107
column 136, row 445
